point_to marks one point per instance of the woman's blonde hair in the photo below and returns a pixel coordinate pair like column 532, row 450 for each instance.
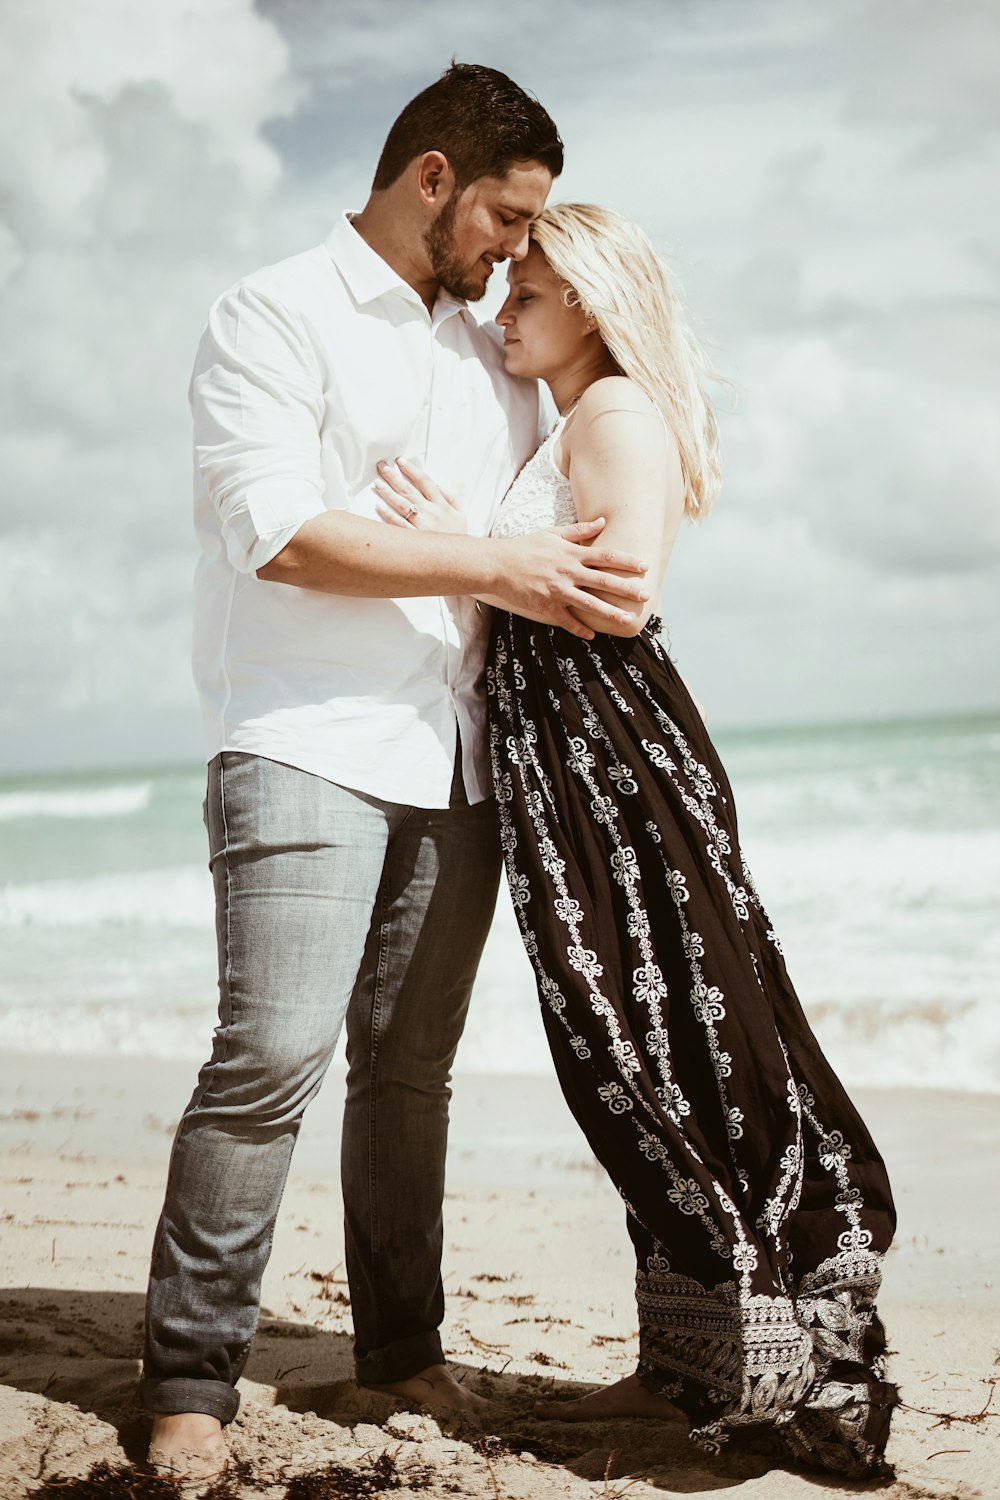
column 613, row 273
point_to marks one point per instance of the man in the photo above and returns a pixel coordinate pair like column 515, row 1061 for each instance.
column 353, row 839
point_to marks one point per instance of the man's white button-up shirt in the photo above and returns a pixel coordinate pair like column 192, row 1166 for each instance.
column 308, row 372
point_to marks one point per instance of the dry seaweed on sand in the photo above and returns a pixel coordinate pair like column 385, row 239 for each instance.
column 528, row 1440
column 331, row 1482
column 341, row 1482
column 492, row 1446
column 107, row 1482
column 329, row 1288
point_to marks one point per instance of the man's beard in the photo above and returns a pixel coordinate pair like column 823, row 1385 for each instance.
column 452, row 273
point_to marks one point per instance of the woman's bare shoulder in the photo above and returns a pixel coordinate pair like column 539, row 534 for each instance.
column 614, row 393
column 615, row 415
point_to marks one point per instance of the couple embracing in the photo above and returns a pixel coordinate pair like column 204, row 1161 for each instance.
column 425, row 644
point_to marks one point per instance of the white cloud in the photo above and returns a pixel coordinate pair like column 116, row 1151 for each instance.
column 136, row 187
column 823, row 179
column 223, row 68
column 922, row 63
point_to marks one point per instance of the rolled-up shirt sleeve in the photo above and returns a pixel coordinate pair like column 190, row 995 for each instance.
column 257, row 403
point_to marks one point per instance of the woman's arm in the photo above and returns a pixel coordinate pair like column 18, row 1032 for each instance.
column 623, row 464
column 410, row 500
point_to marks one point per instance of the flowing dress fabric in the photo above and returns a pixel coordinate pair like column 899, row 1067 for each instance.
column 758, row 1205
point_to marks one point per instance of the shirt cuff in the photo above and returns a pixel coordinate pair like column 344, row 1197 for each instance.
column 259, row 530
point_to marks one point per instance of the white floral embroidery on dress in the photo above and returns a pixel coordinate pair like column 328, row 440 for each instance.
column 758, row 1342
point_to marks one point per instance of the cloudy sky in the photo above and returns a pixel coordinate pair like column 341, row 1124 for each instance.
column 822, row 179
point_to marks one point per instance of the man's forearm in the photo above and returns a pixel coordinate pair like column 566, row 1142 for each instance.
column 339, row 553
column 542, row 576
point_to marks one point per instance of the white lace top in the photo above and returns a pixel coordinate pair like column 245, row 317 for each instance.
column 540, row 496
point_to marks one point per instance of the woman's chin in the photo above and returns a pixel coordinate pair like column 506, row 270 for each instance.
column 514, row 365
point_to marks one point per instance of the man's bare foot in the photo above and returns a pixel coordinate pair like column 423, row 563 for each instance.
column 626, row 1398
column 435, row 1386
column 188, row 1445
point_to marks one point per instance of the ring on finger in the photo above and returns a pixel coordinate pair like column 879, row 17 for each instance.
column 411, row 512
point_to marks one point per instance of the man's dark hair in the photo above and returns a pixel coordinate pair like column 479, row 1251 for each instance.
column 479, row 119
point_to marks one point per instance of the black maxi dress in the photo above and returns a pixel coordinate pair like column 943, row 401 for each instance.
column 757, row 1202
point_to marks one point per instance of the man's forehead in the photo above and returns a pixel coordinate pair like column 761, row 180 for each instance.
column 523, row 190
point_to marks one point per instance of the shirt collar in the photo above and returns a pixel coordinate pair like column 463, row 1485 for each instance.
column 369, row 277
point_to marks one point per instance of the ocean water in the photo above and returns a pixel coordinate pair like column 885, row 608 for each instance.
column 876, row 850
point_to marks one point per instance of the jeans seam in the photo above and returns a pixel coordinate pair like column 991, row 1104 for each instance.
column 380, row 969
column 221, row 1048
column 229, row 905
column 203, row 1089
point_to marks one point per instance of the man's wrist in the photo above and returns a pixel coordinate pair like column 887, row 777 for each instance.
column 489, row 569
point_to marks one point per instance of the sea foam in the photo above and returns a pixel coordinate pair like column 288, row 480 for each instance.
column 876, row 853
column 179, row 896
column 92, row 802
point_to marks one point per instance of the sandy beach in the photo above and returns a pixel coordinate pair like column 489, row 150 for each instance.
column 538, row 1271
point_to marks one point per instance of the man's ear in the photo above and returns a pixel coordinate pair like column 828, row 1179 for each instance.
column 435, row 179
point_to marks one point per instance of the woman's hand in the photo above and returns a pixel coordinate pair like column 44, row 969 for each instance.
column 411, row 498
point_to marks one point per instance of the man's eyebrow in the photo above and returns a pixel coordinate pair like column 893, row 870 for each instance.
column 518, row 213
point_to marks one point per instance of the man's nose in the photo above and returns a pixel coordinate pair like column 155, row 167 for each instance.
column 515, row 245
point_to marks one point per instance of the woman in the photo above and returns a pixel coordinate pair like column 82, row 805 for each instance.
column 757, row 1203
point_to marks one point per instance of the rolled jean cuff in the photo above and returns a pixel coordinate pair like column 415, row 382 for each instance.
column 400, row 1360
column 213, row 1398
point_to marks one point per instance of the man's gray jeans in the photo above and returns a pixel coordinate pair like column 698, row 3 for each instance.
column 329, row 903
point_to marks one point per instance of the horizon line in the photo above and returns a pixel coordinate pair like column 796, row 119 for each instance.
column 884, row 720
